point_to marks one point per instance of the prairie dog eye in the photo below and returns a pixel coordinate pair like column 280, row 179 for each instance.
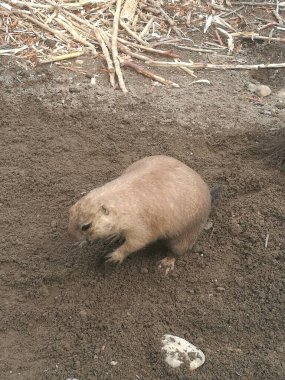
column 86, row 226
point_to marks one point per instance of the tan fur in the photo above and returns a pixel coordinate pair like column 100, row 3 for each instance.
column 156, row 197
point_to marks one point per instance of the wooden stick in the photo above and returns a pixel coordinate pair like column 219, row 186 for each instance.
column 115, row 48
column 188, row 19
column 210, row 66
column 146, row 28
column 129, row 10
column 257, row 37
column 106, row 37
column 234, row 11
column 149, row 74
column 35, row 5
column 218, row 37
column 166, row 53
column 62, row 57
column 133, row 34
column 200, row 50
column 76, row 36
column 104, row 8
column 77, row 25
column 272, row 23
column 165, row 42
column 167, row 18
column 153, row 10
column 252, row 4
column 103, row 41
column 106, row 55
column 78, row 4
column 128, row 51
column 13, row 51
column 188, row 71
column 278, row 17
column 171, row 22
column 41, row 25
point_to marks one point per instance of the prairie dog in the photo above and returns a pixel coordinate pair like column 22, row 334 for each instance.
column 157, row 197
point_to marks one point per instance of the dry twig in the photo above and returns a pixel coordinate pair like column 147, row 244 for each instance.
column 57, row 30
column 133, row 34
column 251, row 36
column 210, row 66
column 115, row 48
column 63, row 57
column 129, row 10
column 149, row 74
column 106, row 55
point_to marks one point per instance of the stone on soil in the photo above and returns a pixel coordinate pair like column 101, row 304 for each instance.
column 178, row 351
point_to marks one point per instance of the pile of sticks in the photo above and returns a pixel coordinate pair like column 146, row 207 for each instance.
column 126, row 31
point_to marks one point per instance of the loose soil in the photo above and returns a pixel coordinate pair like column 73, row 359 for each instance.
column 67, row 314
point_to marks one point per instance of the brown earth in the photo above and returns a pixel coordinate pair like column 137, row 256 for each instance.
column 64, row 312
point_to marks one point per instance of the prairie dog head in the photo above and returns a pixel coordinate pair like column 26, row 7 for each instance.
column 90, row 219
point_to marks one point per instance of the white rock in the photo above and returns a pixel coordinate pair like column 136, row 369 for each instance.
column 178, row 351
column 113, row 362
column 251, row 87
column 262, row 90
column 208, row 225
column 281, row 93
column 259, row 89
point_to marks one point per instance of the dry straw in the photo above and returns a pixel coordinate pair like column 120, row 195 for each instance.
column 123, row 31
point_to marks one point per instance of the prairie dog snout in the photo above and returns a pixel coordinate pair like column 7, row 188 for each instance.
column 157, row 197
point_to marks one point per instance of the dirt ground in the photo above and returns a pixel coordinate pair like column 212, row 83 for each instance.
column 67, row 314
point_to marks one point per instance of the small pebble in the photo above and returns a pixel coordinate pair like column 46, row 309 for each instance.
column 113, row 362
column 44, row 291
column 60, row 80
column 220, row 289
column 198, row 249
column 236, row 242
column 265, row 112
column 142, row 129
column 74, row 89
column 77, row 364
column 208, row 226
column 251, row 87
column 280, row 105
column 144, row 270
column 100, row 92
column 83, row 314
column 281, row 93
column 235, row 228
column 53, row 224
column 50, row 43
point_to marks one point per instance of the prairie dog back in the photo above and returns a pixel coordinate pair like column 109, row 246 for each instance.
column 168, row 191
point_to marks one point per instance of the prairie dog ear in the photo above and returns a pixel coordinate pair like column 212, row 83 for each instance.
column 105, row 210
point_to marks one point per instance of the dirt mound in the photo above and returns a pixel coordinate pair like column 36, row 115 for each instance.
column 64, row 312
